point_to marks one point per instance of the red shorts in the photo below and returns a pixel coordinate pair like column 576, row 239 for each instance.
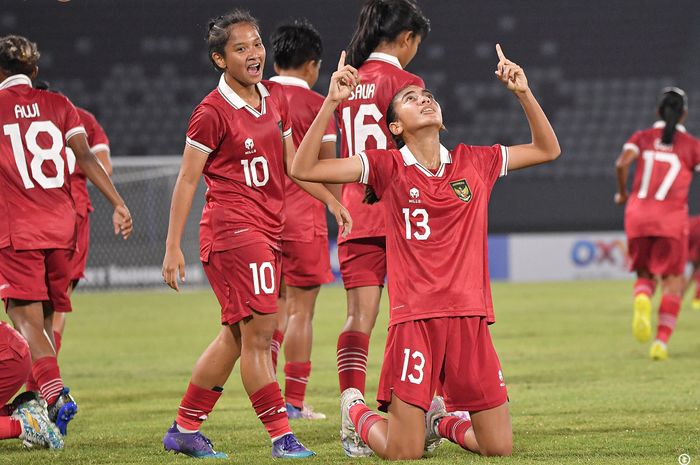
column 81, row 248
column 306, row 264
column 36, row 275
column 456, row 352
column 363, row 262
column 245, row 279
column 15, row 362
column 694, row 239
column 661, row 256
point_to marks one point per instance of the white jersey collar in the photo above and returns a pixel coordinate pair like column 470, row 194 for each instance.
column 385, row 57
column 16, row 80
column 662, row 124
column 291, row 81
column 237, row 102
column 409, row 159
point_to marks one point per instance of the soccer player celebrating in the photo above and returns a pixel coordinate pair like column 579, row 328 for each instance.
column 385, row 41
column 306, row 262
column 239, row 137
column 37, row 230
column 656, row 214
column 436, row 207
column 25, row 418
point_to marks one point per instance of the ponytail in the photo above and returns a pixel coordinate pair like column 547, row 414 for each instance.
column 382, row 21
column 673, row 105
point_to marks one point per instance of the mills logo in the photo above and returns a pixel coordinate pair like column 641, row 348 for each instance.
column 249, row 146
column 414, row 195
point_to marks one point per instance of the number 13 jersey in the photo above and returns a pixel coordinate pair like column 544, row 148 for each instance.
column 362, row 120
column 436, row 229
column 658, row 204
column 36, row 207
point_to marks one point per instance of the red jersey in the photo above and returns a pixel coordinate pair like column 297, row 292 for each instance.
column 437, row 224
column 305, row 215
column 34, row 177
column 244, row 171
column 362, row 119
column 658, row 204
column 97, row 140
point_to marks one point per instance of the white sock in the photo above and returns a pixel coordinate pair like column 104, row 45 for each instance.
column 184, row 430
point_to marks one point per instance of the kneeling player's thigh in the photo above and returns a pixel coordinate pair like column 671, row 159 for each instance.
column 493, row 430
column 473, row 376
column 15, row 362
column 244, row 279
column 22, row 275
column 59, row 268
column 412, row 359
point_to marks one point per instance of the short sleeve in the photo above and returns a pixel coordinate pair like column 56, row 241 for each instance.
column 330, row 135
column 280, row 99
column 491, row 162
column 633, row 142
column 97, row 138
column 204, row 132
column 377, row 169
column 72, row 124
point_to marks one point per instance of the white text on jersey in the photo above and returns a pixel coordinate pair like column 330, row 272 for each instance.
column 27, row 111
column 363, row 92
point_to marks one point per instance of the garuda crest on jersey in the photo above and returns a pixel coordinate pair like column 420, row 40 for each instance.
column 461, row 188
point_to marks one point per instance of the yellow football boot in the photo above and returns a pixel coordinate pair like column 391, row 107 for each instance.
column 658, row 351
column 641, row 323
column 695, row 304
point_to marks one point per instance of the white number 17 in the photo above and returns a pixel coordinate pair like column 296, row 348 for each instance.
column 650, row 157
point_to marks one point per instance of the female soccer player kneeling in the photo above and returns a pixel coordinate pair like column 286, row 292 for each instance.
column 436, row 215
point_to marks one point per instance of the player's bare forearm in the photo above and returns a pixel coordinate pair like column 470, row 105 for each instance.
column 544, row 146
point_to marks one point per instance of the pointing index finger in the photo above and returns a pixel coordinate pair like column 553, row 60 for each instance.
column 341, row 61
column 499, row 52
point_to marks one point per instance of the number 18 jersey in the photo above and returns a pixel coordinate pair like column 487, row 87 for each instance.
column 362, row 120
column 436, row 229
column 34, row 176
column 658, row 204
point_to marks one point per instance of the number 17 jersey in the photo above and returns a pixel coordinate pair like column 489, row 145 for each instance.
column 658, row 204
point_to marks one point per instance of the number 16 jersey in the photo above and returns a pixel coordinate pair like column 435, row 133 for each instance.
column 362, row 120
column 39, row 212
column 658, row 204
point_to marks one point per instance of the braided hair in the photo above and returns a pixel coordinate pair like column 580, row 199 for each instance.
column 18, row 55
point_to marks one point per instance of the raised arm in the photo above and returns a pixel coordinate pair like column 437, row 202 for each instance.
column 193, row 162
column 88, row 163
column 306, row 165
column 544, row 146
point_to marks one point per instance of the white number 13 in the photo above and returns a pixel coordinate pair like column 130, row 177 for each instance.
column 422, row 223
column 417, row 367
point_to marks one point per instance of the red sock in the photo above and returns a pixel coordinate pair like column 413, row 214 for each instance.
column 668, row 315
column 57, row 337
column 363, row 418
column 269, row 406
column 454, row 429
column 31, row 383
column 9, row 428
column 644, row 286
column 47, row 375
column 277, row 338
column 195, row 407
column 353, row 347
column 296, row 376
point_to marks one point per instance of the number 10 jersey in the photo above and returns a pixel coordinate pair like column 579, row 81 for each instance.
column 36, row 208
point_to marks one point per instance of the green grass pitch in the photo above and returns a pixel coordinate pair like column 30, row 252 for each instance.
column 582, row 389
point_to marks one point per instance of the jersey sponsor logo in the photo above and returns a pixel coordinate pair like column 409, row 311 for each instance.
column 249, row 146
column 414, row 195
column 27, row 111
column 461, row 188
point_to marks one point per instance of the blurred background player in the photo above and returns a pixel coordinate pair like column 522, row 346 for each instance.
column 26, row 417
column 385, row 41
column 99, row 145
column 436, row 211
column 694, row 259
column 239, row 137
column 656, row 215
column 297, row 50
column 36, row 260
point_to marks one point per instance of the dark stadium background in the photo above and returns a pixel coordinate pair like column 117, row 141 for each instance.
column 597, row 66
